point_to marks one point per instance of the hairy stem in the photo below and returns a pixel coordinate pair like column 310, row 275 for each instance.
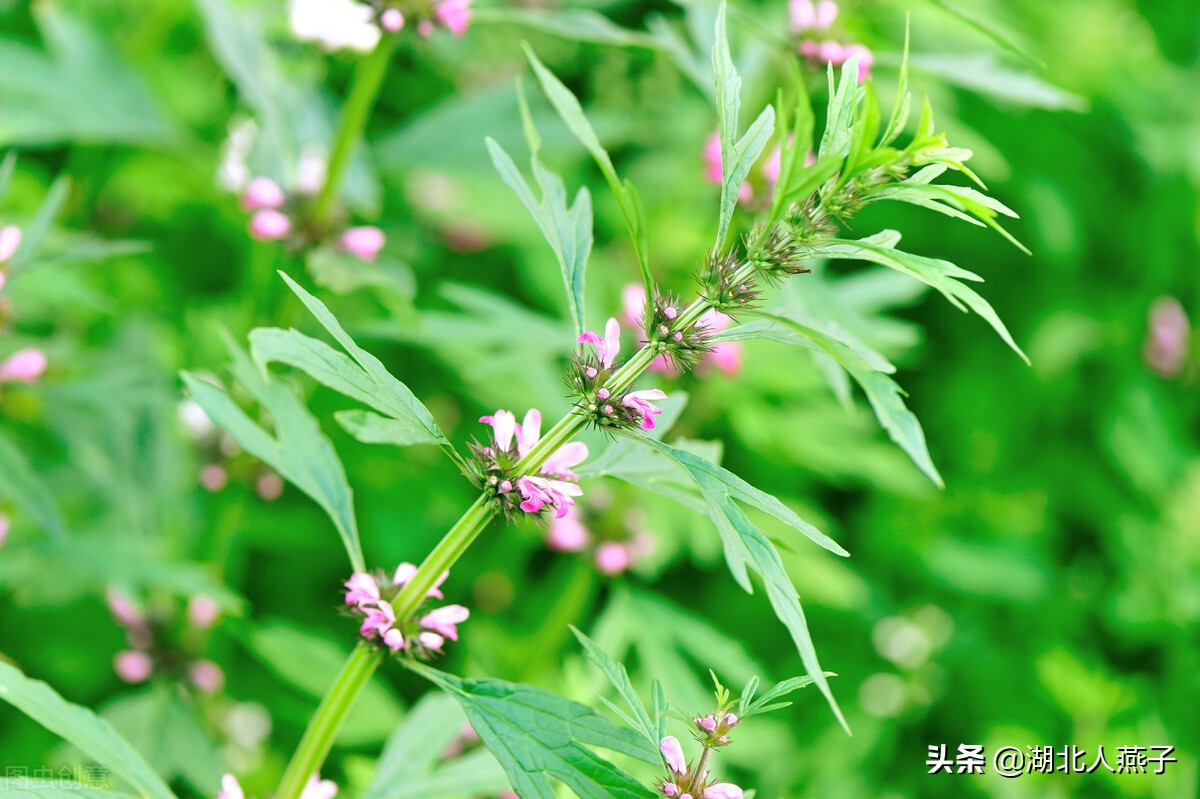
column 702, row 766
column 368, row 77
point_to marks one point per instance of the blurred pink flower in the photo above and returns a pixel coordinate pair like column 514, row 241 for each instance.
column 3, row 528
column 317, row 788
column 133, row 667
column 1166, row 347
column 607, row 347
column 454, row 14
column 361, row 590
column 23, row 366
column 268, row 486
column 807, row 16
column 673, row 753
column 262, row 193
column 633, row 304
column 612, row 558
column 640, row 402
column 866, row 59
column 213, row 477
column 363, row 242
column 444, row 620
column 202, row 611
column 391, row 20
column 269, row 225
column 538, row 492
column 122, row 608
column 378, row 620
column 10, row 242
column 714, row 171
column 334, row 24
column 230, row 789
column 723, row 790
column 206, row 676
column 567, row 533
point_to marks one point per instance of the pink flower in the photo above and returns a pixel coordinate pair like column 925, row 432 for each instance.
column 673, row 753
column 23, row 366
column 230, row 788
column 612, row 558
column 567, row 533
column 866, row 59
column 361, row 590
column 391, row 20
column 633, row 302
column 670, row 789
column 607, row 347
column 564, row 459
column 723, row 790
column 262, row 193
column 1166, row 347
column 213, row 477
column 10, row 242
column 206, row 676
column 363, row 242
column 454, row 14
column 3, row 528
column 640, row 402
column 406, row 571
column 725, row 355
column 268, row 486
column 504, row 426
column 529, row 431
column 379, row 619
column 443, row 620
column 807, row 16
column 708, row 724
column 731, row 720
column 317, row 788
column 430, row 640
column 538, row 492
column 831, row 52
column 202, row 611
column 714, row 171
column 269, row 225
column 122, row 608
column 133, row 667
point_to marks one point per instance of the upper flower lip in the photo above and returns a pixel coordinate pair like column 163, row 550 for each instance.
column 607, row 347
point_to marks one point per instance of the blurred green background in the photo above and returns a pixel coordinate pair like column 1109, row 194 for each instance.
column 1048, row 596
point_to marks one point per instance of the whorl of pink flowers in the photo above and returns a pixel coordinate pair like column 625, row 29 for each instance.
column 23, row 366
column 555, row 484
column 373, row 602
column 1166, row 349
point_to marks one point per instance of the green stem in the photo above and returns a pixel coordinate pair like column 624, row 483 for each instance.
column 697, row 775
column 328, row 719
column 368, row 77
column 325, row 723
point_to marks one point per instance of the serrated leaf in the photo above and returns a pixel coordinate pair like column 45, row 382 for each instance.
column 91, row 734
column 616, row 674
column 568, row 229
column 941, row 275
column 371, row 428
column 538, row 736
column 298, row 451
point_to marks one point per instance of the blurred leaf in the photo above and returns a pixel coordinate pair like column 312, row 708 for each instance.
column 413, row 764
column 300, row 452
column 746, row 547
column 163, row 725
column 37, row 229
column 568, row 229
column 26, row 788
column 371, row 428
column 575, row 24
column 983, row 73
column 21, row 485
column 537, row 736
column 343, row 273
column 77, row 91
column 737, row 154
column 941, row 275
column 311, row 664
column 94, row 736
column 986, row 28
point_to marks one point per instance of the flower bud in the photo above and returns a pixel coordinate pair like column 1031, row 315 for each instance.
column 731, row 720
column 202, row 611
column 10, row 242
column 206, row 676
column 612, row 558
column 213, row 477
column 133, row 667
column 708, row 724
column 391, row 20
column 262, row 193
column 723, row 790
column 672, row 752
column 23, row 366
column 268, row 486
column 269, row 225
column 363, row 242
column 670, row 789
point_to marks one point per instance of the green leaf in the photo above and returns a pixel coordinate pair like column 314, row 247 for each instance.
column 94, row 736
column 616, row 674
column 299, row 451
column 985, row 74
column 574, row 24
column 27, row 788
column 537, row 736
column 310, row 664
column 35, row 232
column 20, row 484
column 371, row 428
column 747, row 548
column 571, row 112
column 841, row 110
column 568, row 229
column 737, row 154
column 941, row 275
column 903, row 107
column 411, row 766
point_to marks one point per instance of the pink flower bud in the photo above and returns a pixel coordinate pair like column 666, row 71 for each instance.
column 831, row 52
column 708, row 724
column 809, row 48
column 202, row 611
column 1166, row 348
column 567, row 534
column 394, row 639
column 23, row 366
column 672, row 752
column 612, row 558
column 424, row 29
column 603, row 394
column 723, row 790
column 391, row 20
column 206, row 676
column 363, row 242
column 444, row 620
column 670, row 789
column 262, row 193
column 230, row 789
column 10, row 242
column 3, row 528
column 133, row 667
column 269, row 225
column 670, row 312
column 213, row 477
column 123, row 610
column 731, row 720
column 268, row 486
column 431, row 640
column 317, row 788
column 454, row 14
column 724, row 739
column 506, row 486
column 826, row 13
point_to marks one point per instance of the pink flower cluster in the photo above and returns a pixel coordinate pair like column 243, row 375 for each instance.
column 269, row 221
column 682, row 785
column 809, row 19
column 315, row 788
column 724, row 355
column 554, row 486
column 638, row 404
column 370, row 597
column 149, row 651
column 1167, row 338
column 568, row 533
